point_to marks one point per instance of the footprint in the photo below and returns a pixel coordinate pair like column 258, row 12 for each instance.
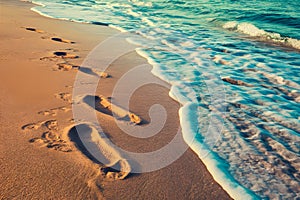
column 98, row 148
column 117, row 171
column 64, row 54
column 49, row 58
column 52, row 140
column 65, row 109
column 34, row 30
column 94, row 72
column 54, row 111
column 94, row 102
column 60, row 54
column 70, row 50
column 67, row 67
column 48, row 112
column 104, row 105
column 57, row 39
column 31, row 126
column 101, row 74
column 134, row 118
column 119, row 112
column 36, row 140
column 49, row 138
column 58, row 146
column 51, row 124
column 65, row 96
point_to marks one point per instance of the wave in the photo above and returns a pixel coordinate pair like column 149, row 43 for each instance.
column 253, row 31
column 188, row 99
column 215, row 165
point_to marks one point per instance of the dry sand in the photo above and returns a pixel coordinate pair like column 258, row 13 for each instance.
column 41, row 156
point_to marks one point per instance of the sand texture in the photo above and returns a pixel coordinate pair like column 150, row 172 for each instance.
column 42, row 151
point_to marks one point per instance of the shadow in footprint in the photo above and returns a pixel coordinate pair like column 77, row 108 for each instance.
column 94, row 72
column 87, row 71
column 34, row 30
column 94, row 102
column 94, row 146
column 62, row 40
column 64, row 54
column 74, row 137
column 31, row 126
column 104, row 106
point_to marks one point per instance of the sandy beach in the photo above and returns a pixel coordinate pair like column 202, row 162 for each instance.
column 40, row 155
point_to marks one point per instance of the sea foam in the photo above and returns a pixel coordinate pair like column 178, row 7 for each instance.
column 253, row 31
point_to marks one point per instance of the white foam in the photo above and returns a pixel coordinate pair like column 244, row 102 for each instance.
column 175, row 93
column 293, row 42
column 41, row 13
column 148, row 21
column 36, row 3
column 230, row 25
column 250, row 29
column 118, row 28
column 135, row 14
column 214, row 165
column 140, row 3
column 253, row 31
column 187, row 44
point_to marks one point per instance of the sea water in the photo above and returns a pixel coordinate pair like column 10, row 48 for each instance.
column 234, row 66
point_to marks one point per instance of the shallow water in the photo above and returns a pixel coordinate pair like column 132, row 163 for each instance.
column 235, row 66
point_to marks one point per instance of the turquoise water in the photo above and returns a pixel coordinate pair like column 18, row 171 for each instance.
column 253, row 46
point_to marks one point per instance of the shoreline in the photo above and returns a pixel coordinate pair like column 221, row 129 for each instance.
column 185, row 169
